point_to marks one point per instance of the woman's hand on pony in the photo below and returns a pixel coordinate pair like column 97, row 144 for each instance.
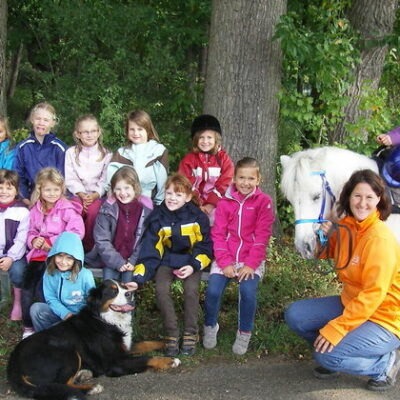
column 322, row 345
column 244, row 273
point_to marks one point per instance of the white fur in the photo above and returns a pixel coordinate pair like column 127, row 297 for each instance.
column 122, row 320
column 302, row 189
column 176, row 363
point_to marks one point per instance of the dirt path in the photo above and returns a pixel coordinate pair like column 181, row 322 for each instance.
column 268, row 378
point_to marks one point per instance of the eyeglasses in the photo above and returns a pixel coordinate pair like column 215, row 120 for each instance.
column 85, row 133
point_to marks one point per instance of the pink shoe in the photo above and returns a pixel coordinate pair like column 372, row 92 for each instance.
column 27, row 332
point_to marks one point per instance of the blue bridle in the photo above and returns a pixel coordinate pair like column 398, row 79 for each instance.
column 326, row 189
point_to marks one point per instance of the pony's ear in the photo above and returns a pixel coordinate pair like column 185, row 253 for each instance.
column 284, row 160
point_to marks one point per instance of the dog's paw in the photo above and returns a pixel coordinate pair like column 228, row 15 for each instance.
column 96, row 389
column 176, row 363
column 83, row 375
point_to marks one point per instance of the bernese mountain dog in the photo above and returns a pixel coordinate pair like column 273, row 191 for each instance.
column 57, row 363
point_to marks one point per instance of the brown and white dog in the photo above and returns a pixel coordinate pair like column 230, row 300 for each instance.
column 52, row 364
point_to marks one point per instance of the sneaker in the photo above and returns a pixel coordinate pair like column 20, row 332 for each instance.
column 388, row 383
column 324, row 373
column 210, row 336
column 189, row 344
column 241, row 343
column 171, row 346
column 27, row 332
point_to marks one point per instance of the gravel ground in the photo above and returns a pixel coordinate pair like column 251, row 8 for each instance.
column 266, row 378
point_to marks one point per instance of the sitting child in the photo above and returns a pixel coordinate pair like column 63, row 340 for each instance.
column 66, row 283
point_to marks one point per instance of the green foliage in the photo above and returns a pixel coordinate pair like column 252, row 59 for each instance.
column 108, row 57
column 319, row 53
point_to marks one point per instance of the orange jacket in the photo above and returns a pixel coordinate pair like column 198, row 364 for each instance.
column 371, row 282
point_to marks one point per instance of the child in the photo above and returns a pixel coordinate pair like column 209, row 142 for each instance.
column 144, row 152
column 176, row 245
column 41, row 149
column 14, row 224
column 66, row 283
column 86, row 171
column 119, row 226
column 50, row 215
column 208, row 167
column 7, row 152
column 241, row 231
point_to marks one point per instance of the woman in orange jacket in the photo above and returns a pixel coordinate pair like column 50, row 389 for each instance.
column 357, row 332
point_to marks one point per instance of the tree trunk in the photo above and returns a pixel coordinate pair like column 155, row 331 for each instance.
column 373, row 20
column 14, row 72
column 3, row 42
column 243, row 80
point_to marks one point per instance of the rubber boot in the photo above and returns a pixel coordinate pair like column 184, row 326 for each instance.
column 16, row 312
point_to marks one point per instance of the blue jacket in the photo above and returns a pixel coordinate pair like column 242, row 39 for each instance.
column 31, row 157
column 61, row 293
column 7, row 155
column 174, row 239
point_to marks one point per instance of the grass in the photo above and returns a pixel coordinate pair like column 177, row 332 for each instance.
column 288, row 278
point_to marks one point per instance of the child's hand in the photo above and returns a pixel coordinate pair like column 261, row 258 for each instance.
column 229, row 271
column 131, row 286
column 5, row 263
column 69, row 315
column 384, row 139
column 127, row 267
column 326, row 226
column 245, row 273
column 38, row 242
column 185, row 271
column 207, row 209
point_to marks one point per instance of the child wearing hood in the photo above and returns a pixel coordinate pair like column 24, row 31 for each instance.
column 66, row 283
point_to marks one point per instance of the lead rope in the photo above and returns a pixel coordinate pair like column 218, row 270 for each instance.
column 325, row 246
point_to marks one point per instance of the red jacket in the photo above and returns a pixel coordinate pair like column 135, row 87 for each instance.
column 210, row 174
column 242, row 228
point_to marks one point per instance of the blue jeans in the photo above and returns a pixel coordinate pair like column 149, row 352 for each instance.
column 42, row 316
column 247, row 301
column 16, row 272
column 367, row 350
column 111, row 273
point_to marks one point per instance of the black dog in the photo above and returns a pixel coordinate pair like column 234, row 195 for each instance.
column 51, row 364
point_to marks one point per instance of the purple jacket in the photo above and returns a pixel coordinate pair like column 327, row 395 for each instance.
column 14, row 224
column 242, row 228
column 395, row 135
column 65, row 216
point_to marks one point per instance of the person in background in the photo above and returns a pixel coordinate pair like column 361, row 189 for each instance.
column 41, row 149
column 144, row 152
column 119, row 227
column 14, row 225
column 50, row 215
column 66, row 283
column 358, row 332
column 86, row 171
column 7, row 149
column 207, row 166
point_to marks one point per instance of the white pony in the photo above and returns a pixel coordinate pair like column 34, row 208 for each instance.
column 312, row 180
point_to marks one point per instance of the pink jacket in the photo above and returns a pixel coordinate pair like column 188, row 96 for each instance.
column 65, row 216
column 242, row 228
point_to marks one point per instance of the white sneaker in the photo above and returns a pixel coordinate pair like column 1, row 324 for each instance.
column 241, row 343
column 27, row 332
column 210, row 336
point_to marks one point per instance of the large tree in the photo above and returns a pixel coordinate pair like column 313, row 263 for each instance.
column 3, row 41
column 243, row 79
column 374, row 21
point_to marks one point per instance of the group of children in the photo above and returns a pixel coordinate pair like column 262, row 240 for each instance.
column 123, row 213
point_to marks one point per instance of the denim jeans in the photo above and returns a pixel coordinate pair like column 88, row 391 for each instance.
column 367, row 350
column 111, row 273
column 16, row 272
column 247, row 301
column 42, row 316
